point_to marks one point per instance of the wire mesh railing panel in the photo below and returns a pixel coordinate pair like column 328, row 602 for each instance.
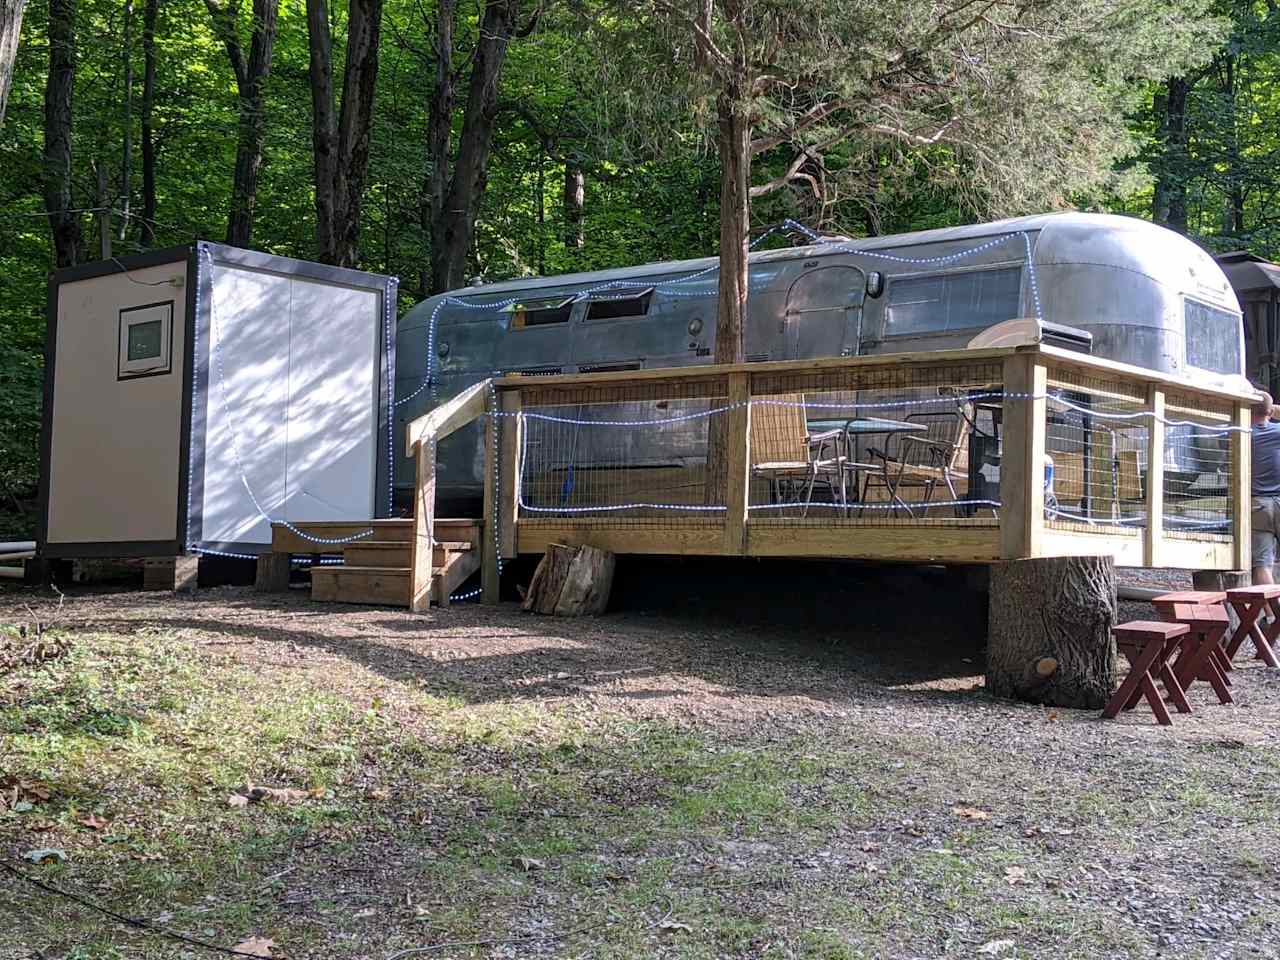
column 642, row 459
column 1198, row 475
column 1096, row 439
column 902, row 445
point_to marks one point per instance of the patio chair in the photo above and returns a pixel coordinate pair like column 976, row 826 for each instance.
column 938, row 455
column 793, row 461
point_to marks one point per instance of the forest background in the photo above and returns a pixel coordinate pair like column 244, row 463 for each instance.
column 447, row 143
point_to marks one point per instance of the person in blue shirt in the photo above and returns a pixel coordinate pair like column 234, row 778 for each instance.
column 1265, row 490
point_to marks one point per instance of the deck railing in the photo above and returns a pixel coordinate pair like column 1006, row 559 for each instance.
column 969, row 456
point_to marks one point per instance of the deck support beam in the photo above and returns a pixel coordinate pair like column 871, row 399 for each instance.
column 1022, row 461
column 738, row 474
column 1153, row 536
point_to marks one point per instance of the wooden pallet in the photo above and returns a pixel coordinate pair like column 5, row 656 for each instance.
column 376, row 569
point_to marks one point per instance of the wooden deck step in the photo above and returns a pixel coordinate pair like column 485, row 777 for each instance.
column 396, row 553
column 388, row 586
column 284, row 540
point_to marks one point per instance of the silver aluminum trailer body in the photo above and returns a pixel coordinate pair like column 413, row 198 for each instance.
column 1147, row 296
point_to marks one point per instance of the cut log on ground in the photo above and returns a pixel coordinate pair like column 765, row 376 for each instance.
column 571, row 581
column 1049, row 638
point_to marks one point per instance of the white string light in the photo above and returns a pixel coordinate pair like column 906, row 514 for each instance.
column 430, row 380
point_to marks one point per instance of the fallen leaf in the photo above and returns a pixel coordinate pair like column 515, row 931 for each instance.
column 284, row 794
column 237, row 800
column 971, row 813
column 22, row 806
column 94, row 822
column 37, row 790
column 529, row 864
column 995, row 947
column 45, row 853
column 40, row 826
column 255, row 947
column 378, row 793
column 675, row 925
column 1015, row 875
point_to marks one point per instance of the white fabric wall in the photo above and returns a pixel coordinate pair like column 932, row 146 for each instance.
column 296, row 395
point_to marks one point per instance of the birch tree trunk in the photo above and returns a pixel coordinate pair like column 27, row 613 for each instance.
column 59, row 84
column 10, row 29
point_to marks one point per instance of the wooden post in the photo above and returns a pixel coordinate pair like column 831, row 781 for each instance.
column 1153, row 537
column 509, row 486
column 738, row 475
column 489, row 585
column 1022, row 458
column 171, row 573
column 421, row 570
column 1242, row 482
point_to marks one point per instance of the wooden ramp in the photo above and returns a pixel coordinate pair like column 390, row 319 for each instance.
column 377, row 569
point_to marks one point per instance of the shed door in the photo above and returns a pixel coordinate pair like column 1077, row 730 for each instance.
column 824, row 313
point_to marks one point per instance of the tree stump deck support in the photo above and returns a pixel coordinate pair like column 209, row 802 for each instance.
column 1049, row 637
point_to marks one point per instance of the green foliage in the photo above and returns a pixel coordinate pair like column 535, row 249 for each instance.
column 639, row 129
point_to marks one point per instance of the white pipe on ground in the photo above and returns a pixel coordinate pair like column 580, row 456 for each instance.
column 18, row 546
column 12, row 573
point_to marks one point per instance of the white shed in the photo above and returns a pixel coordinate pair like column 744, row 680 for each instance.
column 194, row 395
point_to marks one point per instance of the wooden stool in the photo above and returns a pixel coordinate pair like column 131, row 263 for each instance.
column 1166, row 602
column 1148, row 644
column 1201, row 648
column 1249, row 603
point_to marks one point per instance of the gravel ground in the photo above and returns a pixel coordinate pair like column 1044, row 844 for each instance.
column 1169, row 833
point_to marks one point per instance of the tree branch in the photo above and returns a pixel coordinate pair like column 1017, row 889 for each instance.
column 815, row 116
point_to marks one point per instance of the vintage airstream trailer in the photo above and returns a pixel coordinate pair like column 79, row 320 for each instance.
column 1143, row 294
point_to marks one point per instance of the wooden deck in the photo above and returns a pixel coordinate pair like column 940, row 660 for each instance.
column 1123, row 488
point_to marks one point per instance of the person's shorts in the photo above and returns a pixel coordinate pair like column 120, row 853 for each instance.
column 1264, row 522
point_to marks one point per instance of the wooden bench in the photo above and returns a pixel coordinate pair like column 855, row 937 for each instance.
column 1200, row 653
column 1249, row 604
column 1167, row 602
column 1148, row 645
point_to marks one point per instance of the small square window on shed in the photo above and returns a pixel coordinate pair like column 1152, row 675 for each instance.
column 615, row 308
column 540, row 313
column 146, row 337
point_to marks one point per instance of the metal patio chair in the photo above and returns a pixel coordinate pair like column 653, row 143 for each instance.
column 792, row 460
column 924, row 461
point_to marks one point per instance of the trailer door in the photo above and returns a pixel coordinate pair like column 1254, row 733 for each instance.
column 824, row 312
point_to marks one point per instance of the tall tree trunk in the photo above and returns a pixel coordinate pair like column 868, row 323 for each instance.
column 1233, row 213
column 65, row 225
column 149, row 15
column 574, row 202
column 453, row 229
column 1169, row 202
column 126, row 145
column 359, row 83
column 251, row 78
column 439, row 129
column 324, row 123
column 10, row 28
column 735, row 224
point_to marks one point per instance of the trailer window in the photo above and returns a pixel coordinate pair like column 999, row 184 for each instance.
column 613, row 308
column 958, row 301
column 1213, row 337
column 540, row 313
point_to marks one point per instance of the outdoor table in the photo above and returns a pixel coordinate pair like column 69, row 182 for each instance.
column 1166, row 602
column 1249, row 603
column 852, row 427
